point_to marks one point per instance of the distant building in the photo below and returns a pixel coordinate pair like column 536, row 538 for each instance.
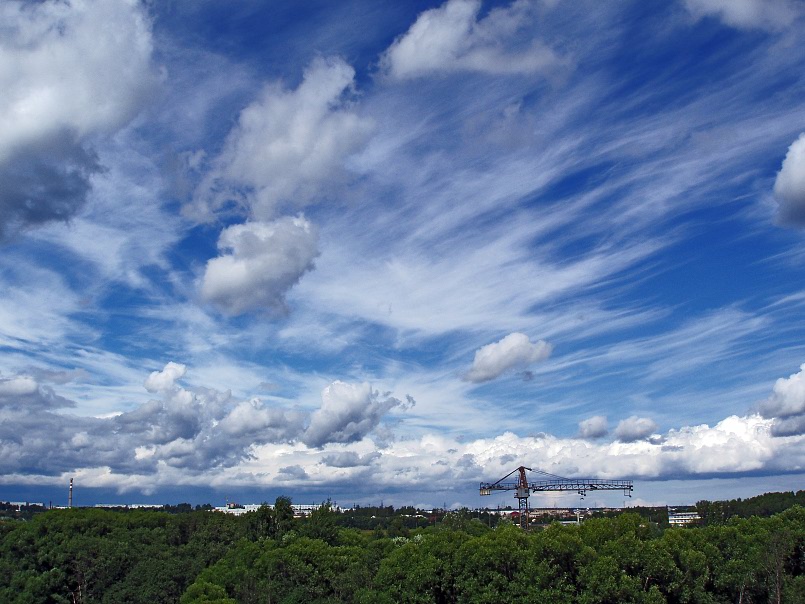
column 130, row 506
column 237, row 509
column 299, row 509
column 682, row 518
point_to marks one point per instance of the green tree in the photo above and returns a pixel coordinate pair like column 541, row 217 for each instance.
column 321, row 524
column 204, row 592
column 283, row 517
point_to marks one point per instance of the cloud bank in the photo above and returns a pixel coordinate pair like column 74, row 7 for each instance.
column 199, row 436
column 197, row 429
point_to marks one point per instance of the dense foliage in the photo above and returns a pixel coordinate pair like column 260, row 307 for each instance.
column 95, row 556
column 768, row 504
column 87, row 555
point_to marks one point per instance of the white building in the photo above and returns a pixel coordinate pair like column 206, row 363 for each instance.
column 682, row 518
column 299, row 509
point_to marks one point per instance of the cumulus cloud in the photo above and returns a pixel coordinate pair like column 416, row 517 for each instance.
column 68, row 70
column 788, row 426
column 204, row 437
column 195, row 430
column 260, row 423
column 515, row 351
column 789, row 187
column 451, row 38
column 165, row 380
column 24, row 392
column 349, row 459
column 788, row 396
column 34, row 435
column 348, row 413
column 295, row 472
column 176, row 415
column 18, row 386
column 747, row 14
column 289, row 146
column 45, row 181
column 264, row 260
column 593, row 427
column 635, row 428
column 786, row 405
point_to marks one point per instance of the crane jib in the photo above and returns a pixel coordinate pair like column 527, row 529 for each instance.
column 522, row 487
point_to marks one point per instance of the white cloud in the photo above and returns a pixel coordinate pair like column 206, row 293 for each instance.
column 515, row 351
column 80, row 66
column 593, row 427
column 748, row 14
column 788, row 426
column 296, row 472
column 451, row 38
column 289, row 147
column 165, row 380
column 69, row 71
column 786, row 405
column 348, row 413
column 349, row 459
column 789, row 186
column 23, row 393
column 265, row 260
column 205, row 438
column 788, row 396
column 17, row 386
column 259, row 422
column 635, row 428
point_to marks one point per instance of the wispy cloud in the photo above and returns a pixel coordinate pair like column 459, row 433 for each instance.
column 552, row 225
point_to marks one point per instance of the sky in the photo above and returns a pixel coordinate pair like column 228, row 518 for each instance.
column 380, row 252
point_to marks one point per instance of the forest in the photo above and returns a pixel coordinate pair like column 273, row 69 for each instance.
column 750, row 551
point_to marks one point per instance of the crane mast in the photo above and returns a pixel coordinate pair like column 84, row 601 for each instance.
column 523, row 488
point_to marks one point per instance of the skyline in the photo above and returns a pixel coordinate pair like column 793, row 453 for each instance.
column 390, row 251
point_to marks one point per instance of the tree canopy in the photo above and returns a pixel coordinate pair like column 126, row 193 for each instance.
column 92, row 556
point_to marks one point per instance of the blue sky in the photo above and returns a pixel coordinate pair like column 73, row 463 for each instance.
column 385, row 251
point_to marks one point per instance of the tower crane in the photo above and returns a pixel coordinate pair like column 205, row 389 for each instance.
column 522, row 487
